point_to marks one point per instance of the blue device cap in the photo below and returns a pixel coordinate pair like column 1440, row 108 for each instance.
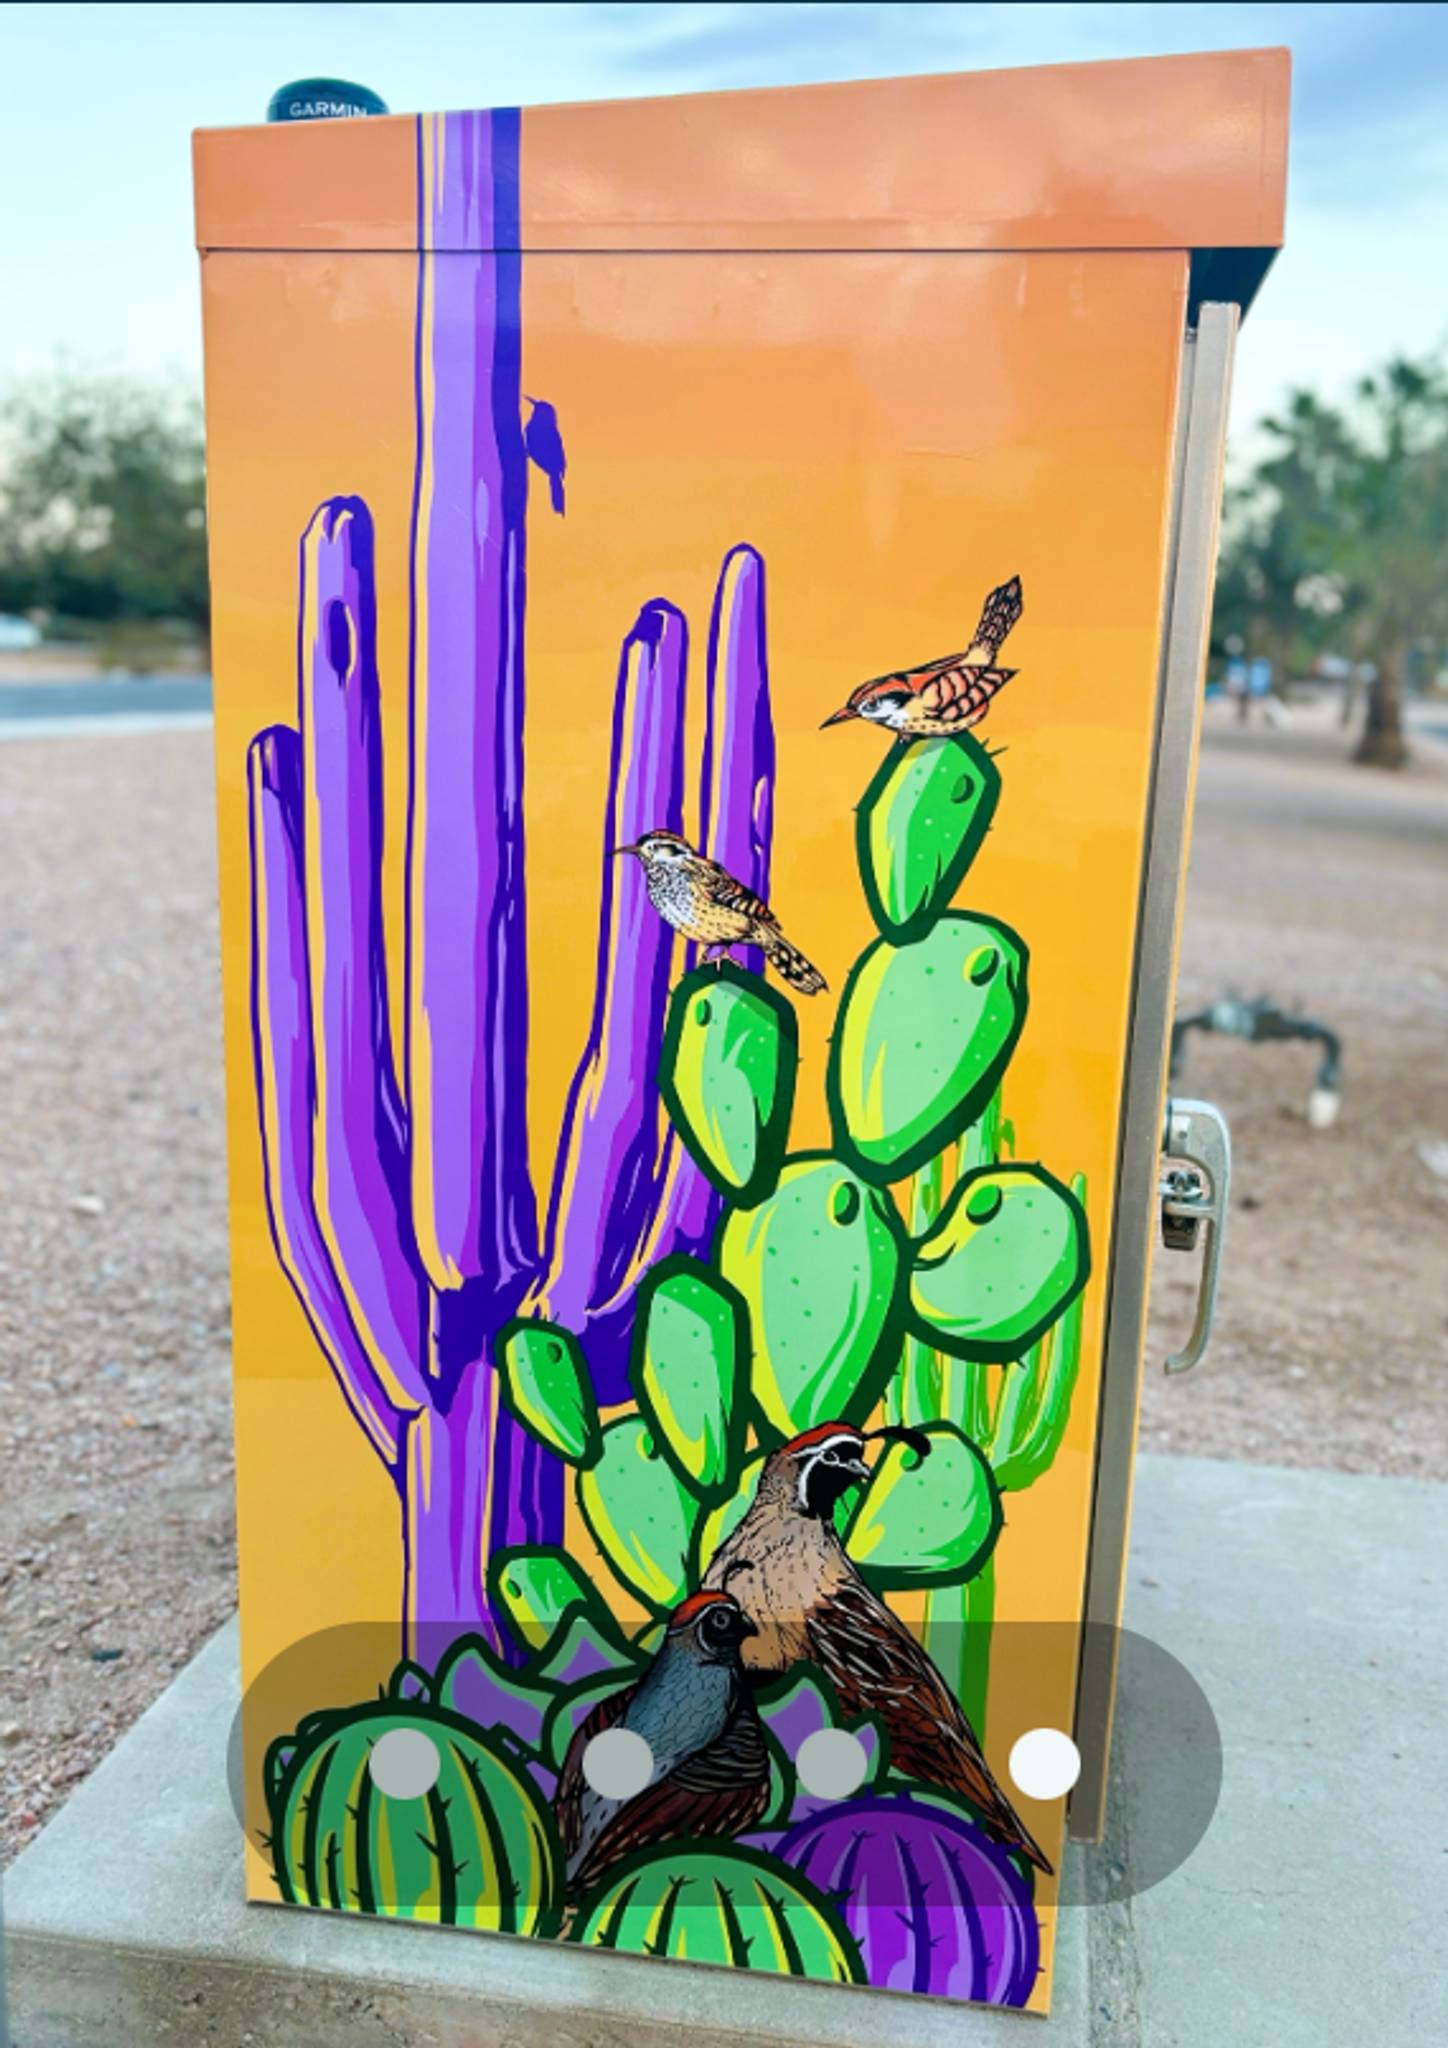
column 323, row 99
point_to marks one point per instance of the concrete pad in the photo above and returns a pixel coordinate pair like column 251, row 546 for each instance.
column 1313, row 1608
column 127, row 1929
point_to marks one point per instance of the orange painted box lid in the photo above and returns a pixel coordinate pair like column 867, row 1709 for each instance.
column 1160, row 152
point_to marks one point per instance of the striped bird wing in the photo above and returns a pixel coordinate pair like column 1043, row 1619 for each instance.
column 731, row 895
column 877, row 1667
column 961, row 696
column 568, row 1798
column 721, row 1790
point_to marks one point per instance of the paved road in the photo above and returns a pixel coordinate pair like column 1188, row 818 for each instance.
column 107, row 698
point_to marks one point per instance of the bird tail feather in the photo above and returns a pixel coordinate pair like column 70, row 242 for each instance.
column 791, row 965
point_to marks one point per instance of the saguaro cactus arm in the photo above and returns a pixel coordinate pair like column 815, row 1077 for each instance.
column 282, row 1040
column 467, row 997
column 359, row 1179
column 605, row 1190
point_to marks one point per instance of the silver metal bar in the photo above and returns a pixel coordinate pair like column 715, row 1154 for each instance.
column 1197, row 1132
column 1191, row 563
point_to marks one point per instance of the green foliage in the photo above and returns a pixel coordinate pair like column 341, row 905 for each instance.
column 102, row 503
column 544, row 1381
column 721, row 1906
column 538, row 1589
column 926, row 1521
column 691, row 1351
column 639, row 1513
column 1006, row 1257
column 727, row 1076
column 924, row 1034
column 817, row 1265
column 476, row 1850
column 919, row 827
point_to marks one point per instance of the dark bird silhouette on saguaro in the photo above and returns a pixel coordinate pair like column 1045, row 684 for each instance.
column 544, row 443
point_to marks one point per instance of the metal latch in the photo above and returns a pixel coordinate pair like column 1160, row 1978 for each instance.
column 1195, row 1180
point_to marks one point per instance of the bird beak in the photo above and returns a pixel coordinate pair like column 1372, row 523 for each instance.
column 858, row 1469
column 839, row 717
column 746, row 1626
column 627, row 849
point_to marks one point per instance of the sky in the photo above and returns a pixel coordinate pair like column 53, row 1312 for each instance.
column 96, row 257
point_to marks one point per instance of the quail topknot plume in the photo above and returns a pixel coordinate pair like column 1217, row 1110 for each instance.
column 808, row 1603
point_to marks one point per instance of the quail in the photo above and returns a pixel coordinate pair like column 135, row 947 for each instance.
column 693, row 1708
column 808, row 1603
column 948, row 695
column 704, row 902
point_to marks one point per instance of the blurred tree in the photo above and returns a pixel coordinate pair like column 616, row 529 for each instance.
column 1338, row 537
column 102, row 503
column 1391, row 544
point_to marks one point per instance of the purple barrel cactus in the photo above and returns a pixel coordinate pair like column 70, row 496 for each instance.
column 400, row 1193
column 932, row 1904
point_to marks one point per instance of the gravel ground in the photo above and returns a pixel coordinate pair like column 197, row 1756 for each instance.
column 1311, row 881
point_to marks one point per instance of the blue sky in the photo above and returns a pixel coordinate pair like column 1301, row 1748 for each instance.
column 100, row 101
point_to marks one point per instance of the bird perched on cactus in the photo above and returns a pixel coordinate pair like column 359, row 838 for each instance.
column 705, row 902
column 948, row 695
column 710, row 1764
column 808, row 1603
column 543, row 445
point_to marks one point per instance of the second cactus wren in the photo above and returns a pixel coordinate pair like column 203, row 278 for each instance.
column 704, row 902
column 948, row 695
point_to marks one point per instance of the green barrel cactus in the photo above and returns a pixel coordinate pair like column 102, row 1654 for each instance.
column 919, row 827
column 478, row 1849
column 1005, row 1258
column 732, row 1906
column 691, row 1355
column 924, row 1034
column 818, row 1265
column 727, row 1075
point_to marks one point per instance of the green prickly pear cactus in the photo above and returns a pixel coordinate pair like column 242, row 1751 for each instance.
column 691, row 1354
column 920, row 825
column 819, row 1266
column 544, row 1380
column 929, row 1521
column 722, row 1906
column 638, row 1514
column 924, row 1034
column 727, row 1074
column 1006, row 1257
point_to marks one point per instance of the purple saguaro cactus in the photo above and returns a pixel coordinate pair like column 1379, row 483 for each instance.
column 404, row 1214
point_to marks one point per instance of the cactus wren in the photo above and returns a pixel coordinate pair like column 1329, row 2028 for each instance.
column 945, row 696
column 704, row 902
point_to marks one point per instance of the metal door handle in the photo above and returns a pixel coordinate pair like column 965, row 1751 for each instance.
column 1196, row 1178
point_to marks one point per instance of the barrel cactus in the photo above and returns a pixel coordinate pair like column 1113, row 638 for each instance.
column 477, row 1849
column 721, row 1905
column 929, row 1900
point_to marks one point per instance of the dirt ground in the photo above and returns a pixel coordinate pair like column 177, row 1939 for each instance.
column 1311, row 881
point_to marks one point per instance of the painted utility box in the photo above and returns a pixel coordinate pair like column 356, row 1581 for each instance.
column 710, row 598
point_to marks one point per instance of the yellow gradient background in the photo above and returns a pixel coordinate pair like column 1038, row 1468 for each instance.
column 896, row 433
